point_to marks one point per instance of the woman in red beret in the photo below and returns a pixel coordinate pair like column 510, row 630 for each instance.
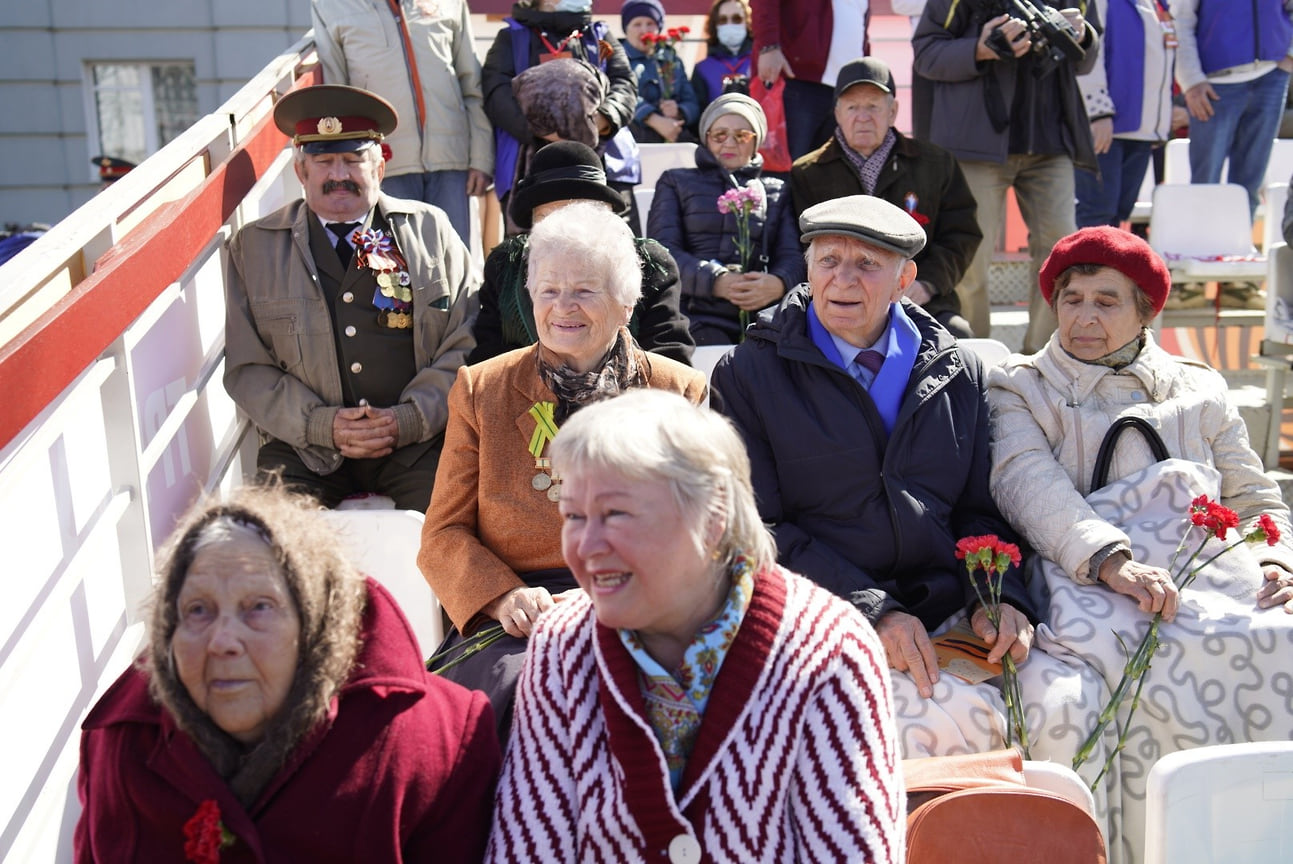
column 1219, row 675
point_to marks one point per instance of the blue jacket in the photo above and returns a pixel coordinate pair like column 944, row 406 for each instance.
column 872, row 517
column 1234, row 32
column 651, row 94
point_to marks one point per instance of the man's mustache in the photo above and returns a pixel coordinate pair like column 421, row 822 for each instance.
column 333, row 185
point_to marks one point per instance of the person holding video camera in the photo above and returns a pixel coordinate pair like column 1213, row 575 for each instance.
column 1007, row 105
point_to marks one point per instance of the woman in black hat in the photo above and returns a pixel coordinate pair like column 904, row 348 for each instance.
column 560, row 173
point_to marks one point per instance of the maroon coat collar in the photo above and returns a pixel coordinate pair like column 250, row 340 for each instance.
column 633, row 743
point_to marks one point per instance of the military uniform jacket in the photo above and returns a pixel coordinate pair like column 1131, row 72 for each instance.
column 289, row 368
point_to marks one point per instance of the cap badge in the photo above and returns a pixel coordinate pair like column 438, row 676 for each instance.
column 329, row 126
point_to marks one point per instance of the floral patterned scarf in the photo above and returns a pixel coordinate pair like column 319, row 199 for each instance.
column 675, row 702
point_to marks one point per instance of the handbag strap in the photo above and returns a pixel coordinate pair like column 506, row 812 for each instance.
column 1100, row 476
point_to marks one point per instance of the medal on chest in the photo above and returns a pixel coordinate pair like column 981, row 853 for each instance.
column 375, row 250
column 545, row 429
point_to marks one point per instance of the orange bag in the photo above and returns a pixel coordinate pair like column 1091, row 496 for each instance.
column 975, row 809
column 776, row 147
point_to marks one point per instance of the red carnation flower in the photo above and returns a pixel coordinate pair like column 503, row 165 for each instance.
column 205, row 835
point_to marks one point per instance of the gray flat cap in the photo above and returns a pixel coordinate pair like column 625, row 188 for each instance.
column 870, row 219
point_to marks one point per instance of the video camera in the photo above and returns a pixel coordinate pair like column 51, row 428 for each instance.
column 1054, row 38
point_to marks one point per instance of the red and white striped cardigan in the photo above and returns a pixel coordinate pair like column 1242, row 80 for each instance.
column 796, row 759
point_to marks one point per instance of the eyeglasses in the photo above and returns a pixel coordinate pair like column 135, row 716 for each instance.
column 742, row 136
column 729, row 19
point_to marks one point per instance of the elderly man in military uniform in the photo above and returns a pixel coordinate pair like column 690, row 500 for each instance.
column 348, row 313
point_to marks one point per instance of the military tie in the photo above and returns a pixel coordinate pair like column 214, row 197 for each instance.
column 344, row 250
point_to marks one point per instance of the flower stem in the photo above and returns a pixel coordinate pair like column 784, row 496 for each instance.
column 465, row 649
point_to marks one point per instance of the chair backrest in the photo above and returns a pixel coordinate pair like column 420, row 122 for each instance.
column 384, row 544
column 644, row 195
column 1176, row 161
column 659, row 158
column 1276, row 195
column 1231, row 803
column 1200, row 220
column 990, row 351
column 706, row 357
column 1279, row 168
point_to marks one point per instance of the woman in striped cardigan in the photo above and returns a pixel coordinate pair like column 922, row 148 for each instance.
column 697, row 702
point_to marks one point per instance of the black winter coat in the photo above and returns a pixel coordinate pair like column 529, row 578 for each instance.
column 920, row 178
column 685, row 219
column 506, row 319
column 871, row 517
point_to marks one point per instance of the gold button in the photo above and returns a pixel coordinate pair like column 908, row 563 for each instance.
column 351, row 331
column 348, row 297
column 356, row 368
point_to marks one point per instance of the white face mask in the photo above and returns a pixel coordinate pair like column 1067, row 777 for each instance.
column 573, row 6
column 731, row 35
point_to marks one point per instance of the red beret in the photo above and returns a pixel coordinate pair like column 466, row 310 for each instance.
column 1114, row 248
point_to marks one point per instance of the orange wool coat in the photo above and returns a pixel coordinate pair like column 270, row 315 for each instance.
column 486, row 522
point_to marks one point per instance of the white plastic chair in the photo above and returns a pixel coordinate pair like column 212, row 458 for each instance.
column 384, row 544
column 706, row 357
column 1176, row 161
column 1059, row 780
column 659, row 158
column 644, row 195
column 1192, row 224
column 1230, row 803
column 991, row 351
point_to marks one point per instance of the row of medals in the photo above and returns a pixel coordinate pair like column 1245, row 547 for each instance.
column 395, row 285
column 544, row 481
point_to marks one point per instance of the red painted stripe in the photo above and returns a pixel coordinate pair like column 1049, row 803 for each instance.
column 39, row 363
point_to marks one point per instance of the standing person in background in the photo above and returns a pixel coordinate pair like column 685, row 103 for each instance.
column 1233, row 66
column 729, row 43
column 1014, row 118
column 1128, row 97
column 922, row 89
column 443, row 151
column 667, row 108
column 789, row 38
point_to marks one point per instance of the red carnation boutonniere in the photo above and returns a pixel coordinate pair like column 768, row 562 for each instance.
column 909, row 203
column 205, row 835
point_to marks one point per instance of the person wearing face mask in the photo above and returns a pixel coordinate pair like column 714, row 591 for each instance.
column 727, row 35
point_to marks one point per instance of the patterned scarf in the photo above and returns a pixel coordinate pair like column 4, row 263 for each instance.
column 868, row 167
column 1119, row 358
column 617, row 372
column 676, row 701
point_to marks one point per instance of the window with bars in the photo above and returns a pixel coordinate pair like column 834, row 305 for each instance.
column 137, row 107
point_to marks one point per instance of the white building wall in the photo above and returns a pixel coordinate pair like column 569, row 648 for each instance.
column 45, row 148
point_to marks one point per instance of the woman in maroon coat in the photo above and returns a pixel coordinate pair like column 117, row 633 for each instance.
column 281, row 713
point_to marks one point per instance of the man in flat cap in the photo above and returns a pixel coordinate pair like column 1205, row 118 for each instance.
column 348, row 313
column 867, row 429
column 868, row 156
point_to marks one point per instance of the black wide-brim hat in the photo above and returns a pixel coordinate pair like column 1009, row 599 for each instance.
column 332, row 118
column 560, row 171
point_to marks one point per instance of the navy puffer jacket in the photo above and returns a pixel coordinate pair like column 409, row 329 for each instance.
column 685, row 219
